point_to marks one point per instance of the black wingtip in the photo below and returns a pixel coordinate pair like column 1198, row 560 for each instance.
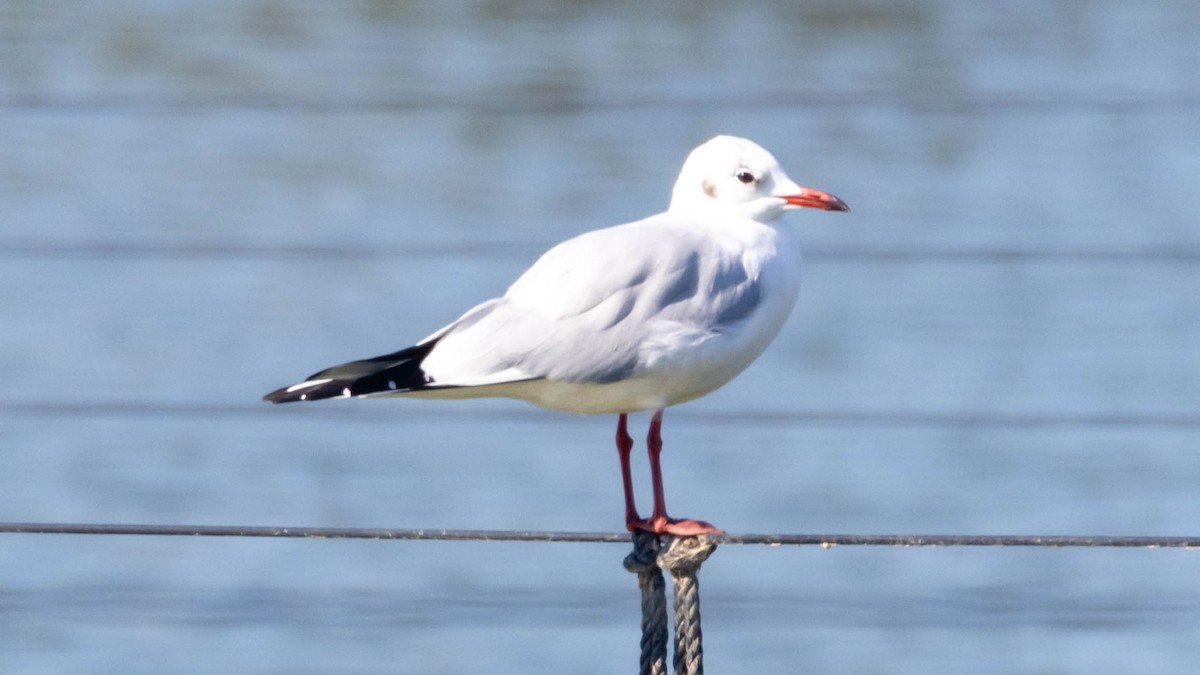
column 281, row 396
column 290, row 395
column 316, row 391
column 396, row 372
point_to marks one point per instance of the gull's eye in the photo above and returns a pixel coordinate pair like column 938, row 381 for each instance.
column 745, row 176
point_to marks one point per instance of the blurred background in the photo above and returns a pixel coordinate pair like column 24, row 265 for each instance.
column 204, row 201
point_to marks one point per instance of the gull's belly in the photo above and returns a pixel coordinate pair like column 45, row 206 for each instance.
column 691, row 367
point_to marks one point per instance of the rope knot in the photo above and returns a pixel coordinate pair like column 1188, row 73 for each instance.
column 644, row 557
column 683, row 556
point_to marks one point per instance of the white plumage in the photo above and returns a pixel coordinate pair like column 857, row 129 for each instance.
column 634, row 317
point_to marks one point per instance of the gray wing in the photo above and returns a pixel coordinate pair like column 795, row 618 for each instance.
column 598, row 308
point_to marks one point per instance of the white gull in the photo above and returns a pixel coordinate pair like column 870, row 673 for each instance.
column 634, row 317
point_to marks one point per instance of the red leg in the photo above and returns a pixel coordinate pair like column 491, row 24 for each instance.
column 624, row 446
column 659, row 522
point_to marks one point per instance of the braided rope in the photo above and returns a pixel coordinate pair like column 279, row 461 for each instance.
column 682, row 557
column 643, row 561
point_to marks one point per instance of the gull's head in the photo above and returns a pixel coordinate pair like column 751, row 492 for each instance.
column 736, row 176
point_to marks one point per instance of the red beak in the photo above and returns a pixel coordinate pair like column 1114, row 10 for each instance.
column 815, row 199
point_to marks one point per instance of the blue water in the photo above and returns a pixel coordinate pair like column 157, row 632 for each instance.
column 204, row 202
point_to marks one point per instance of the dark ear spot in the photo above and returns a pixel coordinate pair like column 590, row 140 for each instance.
column 709, row 189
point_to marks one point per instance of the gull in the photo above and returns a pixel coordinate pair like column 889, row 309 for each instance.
column 631, row 318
